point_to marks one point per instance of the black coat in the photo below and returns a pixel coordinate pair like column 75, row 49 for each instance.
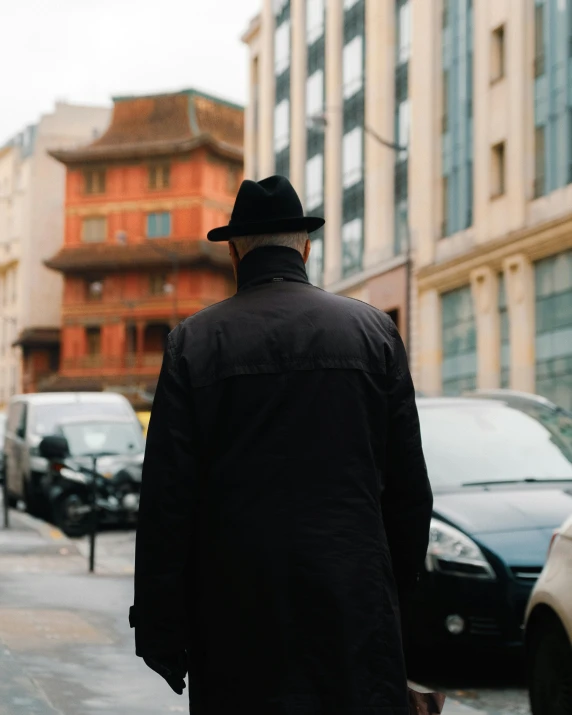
column 285, row 503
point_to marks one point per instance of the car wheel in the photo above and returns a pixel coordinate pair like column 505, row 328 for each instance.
column 550, row 670
column 72, row 515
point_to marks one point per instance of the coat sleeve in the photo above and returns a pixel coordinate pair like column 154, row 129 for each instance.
column 163, row 544
column 407, row 500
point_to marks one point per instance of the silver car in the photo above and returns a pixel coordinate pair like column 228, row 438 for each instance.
column 34, row 416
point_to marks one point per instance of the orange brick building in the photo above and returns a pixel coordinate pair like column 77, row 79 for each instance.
column 139, row 202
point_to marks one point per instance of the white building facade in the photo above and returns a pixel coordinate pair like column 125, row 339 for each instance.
column 32, row 191
column 475, row 96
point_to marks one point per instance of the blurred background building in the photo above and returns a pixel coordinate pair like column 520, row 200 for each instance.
column 32, row 188
column 441, row 132
column 139, row 202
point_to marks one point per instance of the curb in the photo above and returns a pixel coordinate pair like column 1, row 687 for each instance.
column 47, row 531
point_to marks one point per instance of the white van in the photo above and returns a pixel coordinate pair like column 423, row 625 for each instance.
column 34, row 416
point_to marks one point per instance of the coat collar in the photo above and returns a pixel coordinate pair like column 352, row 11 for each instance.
column 271, row 264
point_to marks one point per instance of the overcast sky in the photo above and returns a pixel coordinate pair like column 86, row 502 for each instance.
column 85, row 51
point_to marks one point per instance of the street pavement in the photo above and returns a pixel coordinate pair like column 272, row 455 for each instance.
column 65, row 643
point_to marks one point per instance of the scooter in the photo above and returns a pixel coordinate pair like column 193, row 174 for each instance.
column 74, row 487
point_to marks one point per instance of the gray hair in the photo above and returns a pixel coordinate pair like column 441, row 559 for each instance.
column 245, row 244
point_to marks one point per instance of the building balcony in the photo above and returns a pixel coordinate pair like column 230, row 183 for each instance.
column 149, row 362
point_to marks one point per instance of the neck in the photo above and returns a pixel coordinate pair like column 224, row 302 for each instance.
column 269, row 264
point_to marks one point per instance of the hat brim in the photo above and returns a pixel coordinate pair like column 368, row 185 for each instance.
column 256, row 228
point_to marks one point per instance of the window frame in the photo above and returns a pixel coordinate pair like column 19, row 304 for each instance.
column 92, row 221
column 352, row 84
column 94, row 181
column 160, row 170
column 159, row 232
column 498, row 53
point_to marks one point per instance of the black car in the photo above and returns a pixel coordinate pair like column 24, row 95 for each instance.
column 501, row 471
column 118, row 446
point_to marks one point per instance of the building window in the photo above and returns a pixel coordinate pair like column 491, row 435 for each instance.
column 552, row 99
column 402, row 125
column 352, row 157
column 93, row 340
column 94, row 181
column 159, row 225
column 159, row 176
column 457, row 123
column 314, row 182
column 94, row 230
column 315, row 94
column 445, row 104
column 553, row 323
column 349, row 3
column 539, row 162
column 94, row 290
column 282, row 48
column 352, row 245
column 539, row 58
column 315, row 263
column 282, row 125
column 504, row 334
column 157, row 284
column 459, row 341
column 282, row 53
column 314, row 20
column 403, row 31
column 498, row 172
column 353, row 62
column 497, row 54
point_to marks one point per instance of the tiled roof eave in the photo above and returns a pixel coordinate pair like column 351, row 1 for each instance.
column 111, row 258
column 136, row 150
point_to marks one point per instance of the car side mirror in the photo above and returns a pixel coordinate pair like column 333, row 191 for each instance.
column 54, row 447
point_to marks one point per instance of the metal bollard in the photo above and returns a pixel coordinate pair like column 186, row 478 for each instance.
column 93, row 520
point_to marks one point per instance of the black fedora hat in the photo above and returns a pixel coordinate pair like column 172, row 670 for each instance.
column 268, row 206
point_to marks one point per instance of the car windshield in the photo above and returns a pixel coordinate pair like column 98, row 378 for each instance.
column 100, row 437
column 488, row 441
column 47, row 417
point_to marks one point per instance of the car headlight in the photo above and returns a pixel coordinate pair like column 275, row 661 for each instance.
column 452, row 552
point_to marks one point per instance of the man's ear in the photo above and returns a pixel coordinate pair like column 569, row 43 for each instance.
column 307, row 249
column 235, row 260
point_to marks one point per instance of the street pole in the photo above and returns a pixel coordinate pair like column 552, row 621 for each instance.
column 93, row 515
column 5, row 503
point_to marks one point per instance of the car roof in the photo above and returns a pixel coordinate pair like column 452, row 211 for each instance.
column 67, row 398
column 487, row 397
column 88, row 419
column 452, row 401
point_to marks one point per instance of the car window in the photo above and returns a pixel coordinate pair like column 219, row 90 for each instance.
column 14, row 416
column 47, row 417
column 101, row 437
column 492, row 441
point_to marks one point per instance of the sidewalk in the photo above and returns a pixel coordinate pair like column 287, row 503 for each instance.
column 65, row 643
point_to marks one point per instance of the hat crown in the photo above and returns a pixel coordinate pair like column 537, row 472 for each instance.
column 270, row 199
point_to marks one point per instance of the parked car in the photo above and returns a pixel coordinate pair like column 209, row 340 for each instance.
column 501, row 472
column 117, row 444
column 34, row 416
column 549, row 631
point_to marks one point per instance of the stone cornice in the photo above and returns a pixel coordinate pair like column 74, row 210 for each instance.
column 535, row 242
